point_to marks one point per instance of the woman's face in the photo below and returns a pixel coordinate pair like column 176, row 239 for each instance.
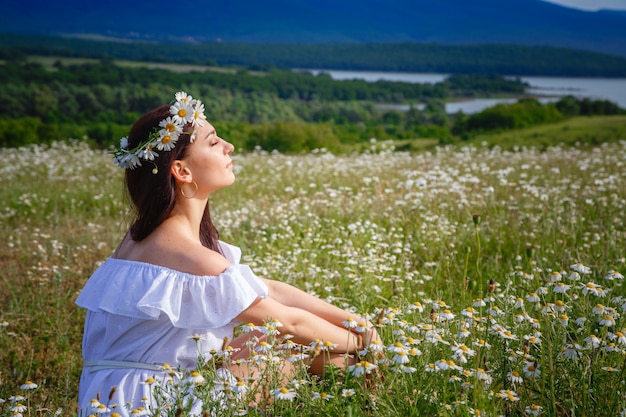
column 209, row 160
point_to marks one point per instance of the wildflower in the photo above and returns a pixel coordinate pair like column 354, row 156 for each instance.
column 507, row 395
column 607, row 321
column 182, row 112
column 495, row 311
column 102, row 409
column 462, row 350
column 612, row 275
column 197, row 337
column 362, row 327
column 20, row 408
column 249, row 327
column 398, row 332
column 580, row 268
column 482, row 343
column 506, row 334
column 397, row 347
column 350, row 323
column 284, row 393
column 408, row 369
column 198, row 114
column 289, row 345
column 431, row 367
column 414, row 352
column 610, row 369
column 572, row 351
column 561, row 288
column 452, row 365
column 610, row 347
column 28, row 385
column 148, row 381
column 417, row 306
column 196, row 378
column 269, row 328
column 139, row 411
column 593, row 289
column 479, row 303
column 532, row 297
column 297, row 357
column 482, row 375
column 533, row 409
column 574, row 276
column 362, row 367
column 263, row 347
column 532, row 339
column 621, row 338
column 374, row 346
column 555, row 276
column 400, row 357
column 435, row 338
column 593, row 341
column 515, row 377
column 347, row 392
column 322, row 396
column 531, row 369
column 184, row 97
column 446, row 315
column 563, row 319
column 463, row 333
column 328, row 345
column 598, row 309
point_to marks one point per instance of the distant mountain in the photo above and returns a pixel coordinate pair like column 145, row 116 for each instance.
column 521, row 22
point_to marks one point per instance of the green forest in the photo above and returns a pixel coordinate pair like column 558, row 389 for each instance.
column 408, row 57
column 275, row 109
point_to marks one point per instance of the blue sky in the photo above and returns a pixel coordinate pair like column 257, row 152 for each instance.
column 592, row 4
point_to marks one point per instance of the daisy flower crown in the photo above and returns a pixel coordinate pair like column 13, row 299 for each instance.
column 185, row 109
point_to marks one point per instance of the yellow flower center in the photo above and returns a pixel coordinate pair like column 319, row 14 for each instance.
column 166, row 139
column 182, row 113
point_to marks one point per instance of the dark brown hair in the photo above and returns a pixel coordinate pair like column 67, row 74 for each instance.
column 152, row 187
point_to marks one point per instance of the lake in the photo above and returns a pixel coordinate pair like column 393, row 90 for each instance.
column 549, row 88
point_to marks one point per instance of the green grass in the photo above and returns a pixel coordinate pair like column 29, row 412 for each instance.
column 376, row 232
column 49, row 61
column 578, row 130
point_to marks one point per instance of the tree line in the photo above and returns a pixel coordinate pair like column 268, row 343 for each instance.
column 409, row 56
column 276, row 109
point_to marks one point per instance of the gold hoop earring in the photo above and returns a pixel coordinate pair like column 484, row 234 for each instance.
column 182, row 190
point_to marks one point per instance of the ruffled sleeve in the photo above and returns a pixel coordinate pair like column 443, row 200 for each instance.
column 230, row 252
column 146, row 291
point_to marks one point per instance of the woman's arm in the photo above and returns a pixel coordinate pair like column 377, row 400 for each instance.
column 291, row 296
column 303, row 325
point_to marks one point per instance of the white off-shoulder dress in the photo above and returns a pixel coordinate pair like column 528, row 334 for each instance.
column 141, row 315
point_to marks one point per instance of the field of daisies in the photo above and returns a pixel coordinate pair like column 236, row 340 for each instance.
column 495, row 279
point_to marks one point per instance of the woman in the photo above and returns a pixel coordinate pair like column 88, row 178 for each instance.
column 172, row 291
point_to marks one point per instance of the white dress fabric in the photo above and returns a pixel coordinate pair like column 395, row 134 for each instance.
column 147, row 314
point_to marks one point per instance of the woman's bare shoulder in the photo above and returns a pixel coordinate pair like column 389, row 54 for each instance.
column 178, row 254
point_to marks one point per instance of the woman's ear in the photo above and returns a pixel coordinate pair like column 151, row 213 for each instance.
column 181, row 172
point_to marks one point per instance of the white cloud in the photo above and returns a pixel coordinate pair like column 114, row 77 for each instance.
column 592, row 4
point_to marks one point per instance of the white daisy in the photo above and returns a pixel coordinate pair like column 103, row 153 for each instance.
column 182, row 112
